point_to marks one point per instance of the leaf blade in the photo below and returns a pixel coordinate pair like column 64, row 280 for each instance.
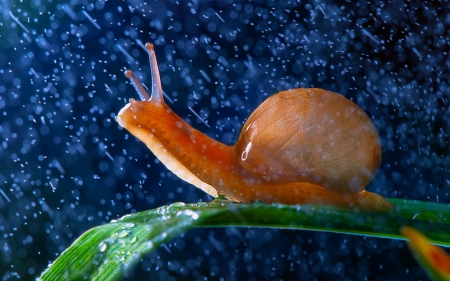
column 126, row 240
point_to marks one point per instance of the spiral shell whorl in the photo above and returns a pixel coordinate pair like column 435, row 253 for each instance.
column 314, row 136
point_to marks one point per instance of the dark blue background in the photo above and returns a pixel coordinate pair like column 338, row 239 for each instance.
column 66, row 166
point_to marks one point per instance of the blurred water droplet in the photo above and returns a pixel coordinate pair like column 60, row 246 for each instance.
column 190, row 213
column 123, row 233
column 133, row 239
column 130, row 224
column 178, row 204
column 103, row 247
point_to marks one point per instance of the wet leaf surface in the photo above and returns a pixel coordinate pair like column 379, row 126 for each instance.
column 107, row 251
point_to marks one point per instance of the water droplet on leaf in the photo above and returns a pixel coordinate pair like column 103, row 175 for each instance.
column 103, row 246
column 123, row 233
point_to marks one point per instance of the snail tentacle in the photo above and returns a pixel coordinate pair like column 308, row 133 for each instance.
column 157, row 93
column 137, row 85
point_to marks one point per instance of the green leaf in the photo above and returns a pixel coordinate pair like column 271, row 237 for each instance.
column 107, row 251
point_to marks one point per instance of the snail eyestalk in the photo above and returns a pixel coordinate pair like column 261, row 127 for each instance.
column 137, row 85
column 157, row 93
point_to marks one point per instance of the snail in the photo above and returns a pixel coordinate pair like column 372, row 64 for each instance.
column 300, row 146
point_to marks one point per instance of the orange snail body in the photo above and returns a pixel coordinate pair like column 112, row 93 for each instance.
column 301, row 146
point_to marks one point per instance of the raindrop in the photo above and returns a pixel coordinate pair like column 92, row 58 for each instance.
column 103, row 247
column 123, row 233
column 178, row 204
column 426, row 216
